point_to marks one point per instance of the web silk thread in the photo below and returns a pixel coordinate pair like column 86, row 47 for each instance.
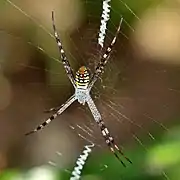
column 104, row 19
column 76, row 173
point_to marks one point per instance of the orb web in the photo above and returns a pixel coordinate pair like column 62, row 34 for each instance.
column 135, row 95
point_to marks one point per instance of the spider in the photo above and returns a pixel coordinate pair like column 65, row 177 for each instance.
column 83, row 84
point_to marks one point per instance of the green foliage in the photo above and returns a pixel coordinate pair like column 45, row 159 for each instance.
column 158, row 161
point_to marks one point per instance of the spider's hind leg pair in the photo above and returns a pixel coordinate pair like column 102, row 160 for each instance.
column 83, row 84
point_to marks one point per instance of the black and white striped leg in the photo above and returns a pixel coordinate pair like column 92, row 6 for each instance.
column 51, row 118
column 65, row 62
column 108, row 138
column 104, row 58
column 54, row 109
column 111, row 143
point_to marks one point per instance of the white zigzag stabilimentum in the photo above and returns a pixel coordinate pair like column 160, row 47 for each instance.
column 104, row 19
column 76, row 173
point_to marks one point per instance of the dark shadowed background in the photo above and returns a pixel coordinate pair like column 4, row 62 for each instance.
column 138, row 95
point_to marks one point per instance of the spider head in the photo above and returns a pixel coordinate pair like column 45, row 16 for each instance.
column 82, row 78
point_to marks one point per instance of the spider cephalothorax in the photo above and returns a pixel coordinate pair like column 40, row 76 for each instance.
column 83, row 84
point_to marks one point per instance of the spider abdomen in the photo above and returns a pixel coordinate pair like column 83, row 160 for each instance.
column 82, row 78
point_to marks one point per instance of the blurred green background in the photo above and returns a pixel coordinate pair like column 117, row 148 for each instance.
column 138, row 96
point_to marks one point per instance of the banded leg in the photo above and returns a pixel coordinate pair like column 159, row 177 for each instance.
column 54, row 109
column 60, row 111
column 65, row 62
column 111, row 143
column 108, row 138
column 104, row 58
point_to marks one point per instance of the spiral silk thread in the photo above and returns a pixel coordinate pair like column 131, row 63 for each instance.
column 76, row 174
column 104, row 19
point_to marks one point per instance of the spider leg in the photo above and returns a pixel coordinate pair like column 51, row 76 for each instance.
column 54, row 109
column 104, row 58
column 65, row 62
column 122, row 153
column 108, row 138
column 51, row 118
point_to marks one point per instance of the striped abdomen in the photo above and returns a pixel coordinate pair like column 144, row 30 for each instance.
column 82, row 78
